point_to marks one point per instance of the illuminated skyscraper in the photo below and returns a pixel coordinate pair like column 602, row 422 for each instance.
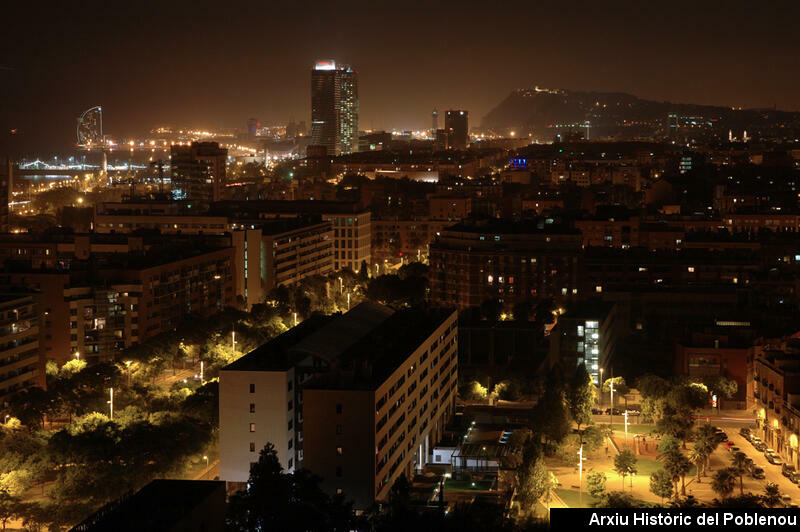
column 334, row 107
column 457, row 129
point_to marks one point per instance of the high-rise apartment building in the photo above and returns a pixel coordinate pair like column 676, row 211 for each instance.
column 21, row 363
column 198, row 171
column 456, row 126
column 358, row 399
column 504, row 261
column 334, row 107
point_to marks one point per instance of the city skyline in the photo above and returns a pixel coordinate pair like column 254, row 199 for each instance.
column 223, row 75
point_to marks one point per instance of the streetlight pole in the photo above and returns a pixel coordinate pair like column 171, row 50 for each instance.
column 611, row 387
column 128, row 367
column 600, row 395
column 626, row 427
column 295, row 318
column 580, row 476
column 348, row 300
column 111, row 403
column 201, row 373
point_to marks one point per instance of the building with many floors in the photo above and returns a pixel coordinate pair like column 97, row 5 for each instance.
column 358, row 398
column 494, row 259
column 21, row 363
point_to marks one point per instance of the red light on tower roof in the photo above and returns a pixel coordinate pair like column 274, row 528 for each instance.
column 328, row 64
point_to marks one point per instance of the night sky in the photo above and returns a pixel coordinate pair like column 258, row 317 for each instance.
column 215, row 64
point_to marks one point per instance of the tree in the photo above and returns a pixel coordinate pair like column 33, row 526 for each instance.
column 707, row 439
column 698, row 456
column 607, row 432
column 739, row 464
column 620, row 388
column 549, row 488
column 625, row 465
column 724, row 481
column 592, row 437
column 661, row 484
column 533, row 479
column 772, row 494
column 9, row 507
column 30, row 406
column 675, row 462
column 15, row 483
column 652, row 386
column 581, row 396
column 279, row 501
column 617, row 499
column 596, row 484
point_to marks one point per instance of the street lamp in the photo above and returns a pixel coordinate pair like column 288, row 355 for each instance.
column 78, row 355
column 202, row 380
column 205, row 457
column 611, row 388
column 348, row 300
column 295, row 318
column 600, row 395
column 111, row 403
column 341, row 286
column 580, row 476
column 626, row 427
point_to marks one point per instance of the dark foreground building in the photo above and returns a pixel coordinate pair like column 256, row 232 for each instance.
column 163, row 506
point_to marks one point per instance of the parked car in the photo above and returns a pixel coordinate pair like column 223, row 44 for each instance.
column 596, row 411
column 633, row 412
column 734, row 450
column 617, row 412
column 744, row 431
column 757, row 472
column 773, row 458
column 786, row 500
column 721, row 436
column 788, row 471
column 754, row 439
column 761, row 446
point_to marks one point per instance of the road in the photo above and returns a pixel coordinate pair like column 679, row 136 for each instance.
column 772, row 472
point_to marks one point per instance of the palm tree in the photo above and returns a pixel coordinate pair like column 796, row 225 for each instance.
column 698, row 457
column 739, row 464
column 724, row 482
column 707, row 438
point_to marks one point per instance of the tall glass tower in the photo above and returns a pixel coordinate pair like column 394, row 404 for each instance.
column 334, row 107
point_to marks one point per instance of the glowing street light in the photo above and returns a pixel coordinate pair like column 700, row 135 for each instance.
column 111, row 403
column 205, row 457
column 626, row 427
column 580, row 476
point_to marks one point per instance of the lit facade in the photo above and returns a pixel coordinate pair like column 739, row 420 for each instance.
column 334, row 107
